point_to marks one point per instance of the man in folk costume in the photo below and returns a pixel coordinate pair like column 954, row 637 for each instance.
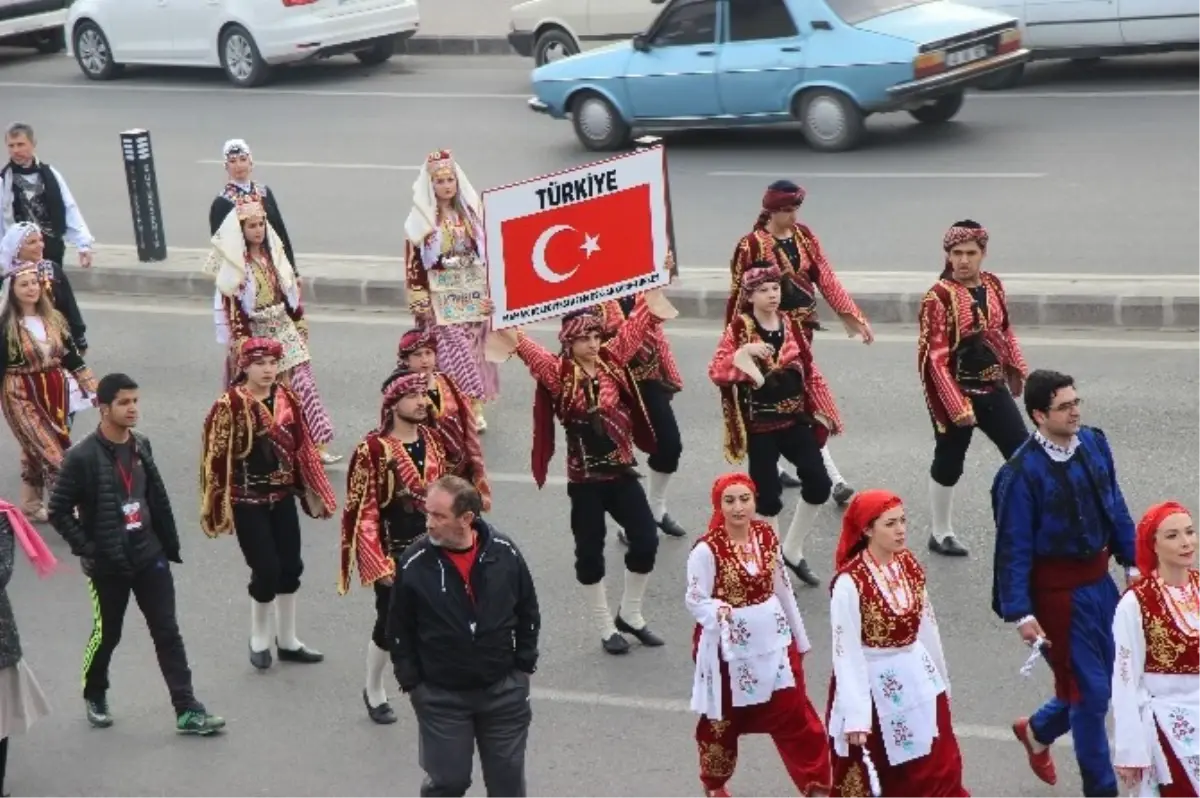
column 738, row 590
column 239, row 187
column 971, row 367
column 792, row 246
column 450, row 411
column 775, row 403
column 1156, row 680
column 385, row 510
column 1060, row 516
column 587, row 387
column 444, row 230
column 258, row 296
column 258, row 456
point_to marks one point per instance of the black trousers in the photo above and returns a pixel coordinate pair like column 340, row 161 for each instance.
column 269, row 535
column 997, row 416
column 623, row 499
column 798, row 445
column 657, row 400
column 452, row 722
column 383, row 602
column 153, row 588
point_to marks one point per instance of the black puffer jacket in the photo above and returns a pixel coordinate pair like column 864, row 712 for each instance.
column 88, row 482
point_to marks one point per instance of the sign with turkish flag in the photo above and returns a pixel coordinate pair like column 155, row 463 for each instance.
column 576, row 238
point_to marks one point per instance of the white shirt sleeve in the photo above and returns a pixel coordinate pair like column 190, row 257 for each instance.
column 849, row 660
column 701, row 576
column 1129, row 727
column 931, row 638
column 77, row 233
column 783, row 592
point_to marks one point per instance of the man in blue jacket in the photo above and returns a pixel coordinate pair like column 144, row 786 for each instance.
column 1059, row 517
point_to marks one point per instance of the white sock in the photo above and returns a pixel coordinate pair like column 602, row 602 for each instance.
column 1033, row 741
column 941, row 499
column 657, row 496
column 631, row 601
column 597, row 601
column 260, row 625
column 285, row 617
column 831, row 468
column 377, row 660
column 802, row 523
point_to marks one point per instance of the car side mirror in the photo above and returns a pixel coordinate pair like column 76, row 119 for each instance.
column 640, row 44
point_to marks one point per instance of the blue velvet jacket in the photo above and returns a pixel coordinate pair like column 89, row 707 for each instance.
column 1043, row 508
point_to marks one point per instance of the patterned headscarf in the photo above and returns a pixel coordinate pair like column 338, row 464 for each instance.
column 413, row 341
column 255, row 349
column 15, row 238
column 1146, row 559
column 235, row 148
column 781, row 195
column 863, row 510
column 578, row 324
column 400, row 384
column 718, row 489
column 758, row 276
column 966, row 230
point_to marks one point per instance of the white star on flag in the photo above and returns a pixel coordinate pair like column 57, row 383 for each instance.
column 590, row 244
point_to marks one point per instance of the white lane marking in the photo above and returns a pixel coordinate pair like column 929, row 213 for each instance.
column 892, row 175
column 374, row 167
column 1152, row 94
column 391, row 95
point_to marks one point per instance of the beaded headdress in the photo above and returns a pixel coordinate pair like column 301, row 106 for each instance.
column 250, row 208
column 440, row 162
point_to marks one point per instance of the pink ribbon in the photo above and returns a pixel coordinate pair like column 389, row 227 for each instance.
column 35, row 548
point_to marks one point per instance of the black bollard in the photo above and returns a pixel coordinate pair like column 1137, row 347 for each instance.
column 142, row 182
column 647, row 143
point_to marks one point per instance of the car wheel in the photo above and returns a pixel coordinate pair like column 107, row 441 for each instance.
column 943, row 109
column 598, row 124
column 380, row 51
column 92, row 52
column 240, row 59
column 51, row 43
column 1004, row 79
column 832, row 121
column 554, row 44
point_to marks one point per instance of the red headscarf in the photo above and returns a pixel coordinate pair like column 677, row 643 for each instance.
column 783, row 194
column 1146, row 559
column 414, row 340
column 864, row 508
column 254, row 349
column 718, row 489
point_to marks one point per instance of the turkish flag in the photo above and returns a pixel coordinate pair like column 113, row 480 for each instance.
column 569, row 250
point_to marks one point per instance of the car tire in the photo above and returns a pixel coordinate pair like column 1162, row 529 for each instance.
column 832, row 122
column 92, row 52
column 243, row 64
column 1004, row 79
column 553, row 44
column 51, row 43
column 599, row 126
column 380, row 52
column 942, row 110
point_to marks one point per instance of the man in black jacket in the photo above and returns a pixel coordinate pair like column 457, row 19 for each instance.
column 464, row 626
column 111, row 506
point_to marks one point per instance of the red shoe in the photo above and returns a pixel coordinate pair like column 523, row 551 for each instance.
column 1041, row 764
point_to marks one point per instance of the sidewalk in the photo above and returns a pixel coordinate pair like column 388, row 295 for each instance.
column 886, row 297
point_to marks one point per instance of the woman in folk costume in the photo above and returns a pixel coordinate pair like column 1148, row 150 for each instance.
column 1155, row 689
column 44, row 376
column 748, row 624
column 444, row 229
column 258, row 296
column 890, row 692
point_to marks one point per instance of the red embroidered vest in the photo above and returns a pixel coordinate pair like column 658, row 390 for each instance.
column 734, row 585
column 1169, row 649
column 882, row 626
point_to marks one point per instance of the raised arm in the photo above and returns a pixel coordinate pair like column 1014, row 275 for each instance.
column 543, row 365
column 361, row 544
column 721, row 369
column 933, row 359
column 632, row 334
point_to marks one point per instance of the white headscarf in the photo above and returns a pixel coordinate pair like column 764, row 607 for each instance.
column 235, row 147
column 11, row 244
column 422, row 219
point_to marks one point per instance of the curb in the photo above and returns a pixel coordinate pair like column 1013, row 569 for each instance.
column 456, row 45
column 1040, row 310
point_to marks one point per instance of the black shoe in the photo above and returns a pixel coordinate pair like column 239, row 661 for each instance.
column 948, row 547
column 615, row 644
column 622, row 538
column 803, row 572
column 842, row 494
column 643, row 635
column 669, row 527
column 787, row 480
column 381, row 714
column 261, row 659
column 97, row 712
column 303, row 655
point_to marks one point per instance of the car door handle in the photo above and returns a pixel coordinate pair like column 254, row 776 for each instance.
column 789, row 49
column 706, row 52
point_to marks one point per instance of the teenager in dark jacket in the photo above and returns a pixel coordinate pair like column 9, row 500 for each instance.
column 111, row 506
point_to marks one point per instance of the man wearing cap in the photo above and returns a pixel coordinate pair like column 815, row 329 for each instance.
column 779, row 237
column 239, row 165
column 258, row 457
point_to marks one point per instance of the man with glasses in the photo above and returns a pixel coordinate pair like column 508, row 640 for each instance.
column 1059, row 516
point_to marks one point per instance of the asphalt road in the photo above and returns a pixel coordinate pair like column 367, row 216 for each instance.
column 603, row 726
column 1077, row 172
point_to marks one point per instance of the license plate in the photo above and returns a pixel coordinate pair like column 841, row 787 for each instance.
column 960, row 57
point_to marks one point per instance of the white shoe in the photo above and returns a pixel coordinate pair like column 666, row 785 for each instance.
column 329, row 459
column 480, row 423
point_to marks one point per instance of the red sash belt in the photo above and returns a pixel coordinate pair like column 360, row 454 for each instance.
column 1053, row 581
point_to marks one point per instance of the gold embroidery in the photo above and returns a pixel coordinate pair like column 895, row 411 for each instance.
column 732, row 588
column 853, row 784
column 718, row 727
column 1159, row 646
column 877, row 627
column 716, row 760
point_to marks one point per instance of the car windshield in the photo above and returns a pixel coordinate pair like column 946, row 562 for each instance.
column 853, row 12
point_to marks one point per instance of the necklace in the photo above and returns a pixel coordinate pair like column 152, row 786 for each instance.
column 1183, row 602
column 747, row 551
column 895, row 580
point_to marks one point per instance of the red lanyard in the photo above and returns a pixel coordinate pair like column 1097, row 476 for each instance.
column 127, row 477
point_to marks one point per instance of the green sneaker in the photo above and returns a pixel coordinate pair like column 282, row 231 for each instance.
column 199, row 723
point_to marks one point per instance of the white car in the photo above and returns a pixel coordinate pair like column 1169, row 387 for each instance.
column 33, row 23
column 1088, row 29
column 246, row 38
column 548, row 30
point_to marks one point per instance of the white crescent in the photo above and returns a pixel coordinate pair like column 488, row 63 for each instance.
column 539, row 255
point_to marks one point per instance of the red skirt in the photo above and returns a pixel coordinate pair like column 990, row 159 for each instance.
column 938, row 773
column 790, row 719
column 1181, row 785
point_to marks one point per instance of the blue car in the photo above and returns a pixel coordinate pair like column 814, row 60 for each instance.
column 828, row 64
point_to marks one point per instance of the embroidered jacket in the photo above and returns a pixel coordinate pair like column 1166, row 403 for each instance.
column 883, row 626
column 951, row 323
column 454, row 421
column 795, row 388
column 453, row 235
column 654, row 359
column 383, row 485
column 268, row 293
column 251, row 454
